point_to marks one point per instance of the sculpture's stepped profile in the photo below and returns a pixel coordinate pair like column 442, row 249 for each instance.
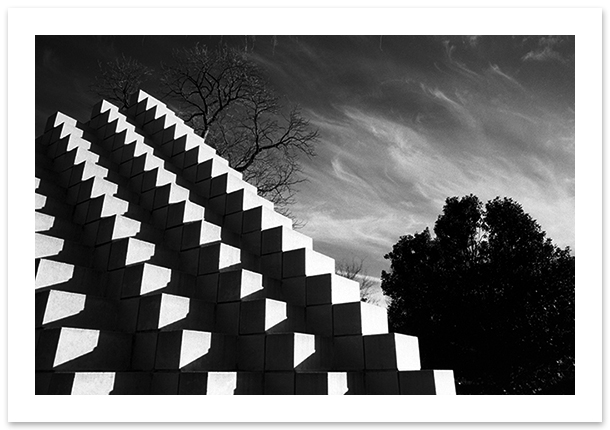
column 160, row 271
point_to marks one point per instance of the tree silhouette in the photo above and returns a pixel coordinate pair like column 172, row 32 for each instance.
column 489, row 296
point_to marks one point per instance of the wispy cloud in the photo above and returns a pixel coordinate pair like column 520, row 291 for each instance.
column 546, row 51
column 496, row 69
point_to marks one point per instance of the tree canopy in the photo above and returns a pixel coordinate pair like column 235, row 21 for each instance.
column 226, row 98
column 489, row 296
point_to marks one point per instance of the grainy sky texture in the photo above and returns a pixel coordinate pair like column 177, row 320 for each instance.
column 405, row 122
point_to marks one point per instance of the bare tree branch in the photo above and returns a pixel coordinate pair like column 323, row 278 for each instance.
column 119, row 79
column 354, row 270
column 225, row 98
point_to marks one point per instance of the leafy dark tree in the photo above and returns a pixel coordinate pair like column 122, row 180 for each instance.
column 119, row 79
column 225, row 97
column 489, row 296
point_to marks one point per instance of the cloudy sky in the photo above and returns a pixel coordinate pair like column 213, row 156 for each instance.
column 405, row 122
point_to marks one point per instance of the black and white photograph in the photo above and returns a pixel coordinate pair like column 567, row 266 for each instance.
column 336, row 213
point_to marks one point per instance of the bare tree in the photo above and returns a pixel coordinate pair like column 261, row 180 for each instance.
column 119, row 79
column 225, row 98
column 354, row 270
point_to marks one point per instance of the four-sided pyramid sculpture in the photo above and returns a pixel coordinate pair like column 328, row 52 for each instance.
column 159, row 270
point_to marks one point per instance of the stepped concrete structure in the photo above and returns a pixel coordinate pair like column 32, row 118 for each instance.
column 160, row 271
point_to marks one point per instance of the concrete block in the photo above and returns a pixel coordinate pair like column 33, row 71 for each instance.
column 177, row 160
column 132, row 383
column 193, row 383
column 165, row 383
column 195, row 155
column 228, row 183
column 190, row 260
column 172, row 238
column 319, row 320
column 144, row 351
column 184, row 212
column 440, row 382
column 227, row 318
column 238, row 284
column 331, row 289
column 359, row 318
column 263, row 218
column 61, row 308
column 76, row 349
column 233, row 222
column 288, row 351
column 141, row 101
column 348, row 353
column 212, row 168
column 217, row 257
column 217, row 204
column 53, row 305
column 134, row 150
column 53, row 272
column 104, row 106
column 39, row 201
column 47, row 246
column 101, row 256
column 355, row 383
column 41, row 383
column 169, row 194
column 311, row 383
column 61, row 250
column 91, row 188
column 86, row 170
column 93, row 383
column 60, row 383
column 271, row 265
column 207, row 287
column 191, row 350
column 125, row 252
column 106, row 206
column 251, row 242
column 68, row 277
column 147, row 117
column 171, row 312
column 199, row 233
column 243, row 200
column 221, row 383
column 391, row 351
column 381, row 382
column 293, row 290
column 141, row 279
column 116, row 227
column 208, row 383
column 251, row 352
column 279, row 383
column 259, row 316
column 61, row 143
column 321, row 383
column 150, row 166
column 155, row 178
column 57, row 119
column 306, row 262
column 73, row 157
column 281, row 239
column 249, row 383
